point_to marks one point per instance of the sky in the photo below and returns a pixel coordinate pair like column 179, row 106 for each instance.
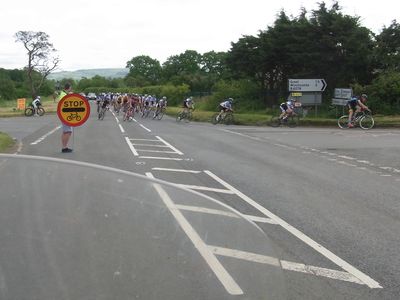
column 91, row 34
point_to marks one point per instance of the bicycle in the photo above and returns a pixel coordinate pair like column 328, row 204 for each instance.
column 128, row 115
column 184, row 115
column 291, row 121
column 145, row 112
column 102, row 113
column 159, row 113
column 30, row 111
column 362, row 118
column 225, row 118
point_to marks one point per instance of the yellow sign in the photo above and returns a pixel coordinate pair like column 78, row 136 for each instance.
column 21, row 104
column 297, row 94
column 73, row 110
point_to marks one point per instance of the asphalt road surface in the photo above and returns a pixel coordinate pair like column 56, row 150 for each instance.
column 328, row 199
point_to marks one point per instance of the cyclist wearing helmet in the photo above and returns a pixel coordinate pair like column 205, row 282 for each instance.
column 225, row 106
column 287, row 108
column 357, row 104
column 36, row 104
column 188, row 104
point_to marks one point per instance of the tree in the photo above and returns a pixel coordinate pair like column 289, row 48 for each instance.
column 387, row 51
column 41, row 59
column 144, row 70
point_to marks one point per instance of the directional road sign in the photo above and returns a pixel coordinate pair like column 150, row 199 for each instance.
column 307, row 85
column 73, row 110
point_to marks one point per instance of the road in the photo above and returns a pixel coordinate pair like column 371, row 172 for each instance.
column 328, row 199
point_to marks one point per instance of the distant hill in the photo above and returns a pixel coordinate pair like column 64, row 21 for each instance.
column 89, row 73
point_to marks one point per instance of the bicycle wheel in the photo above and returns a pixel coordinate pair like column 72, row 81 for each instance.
column 228, row 120
column 293, row 121
column 275, row 121
column 188, row 116
column 78, row 118
column 69, row 118
column 28, row 111
column 40, row 111
column 367, row 122
column 214, row 119
column 179, row 116
column 343, row 122
column 160, row 115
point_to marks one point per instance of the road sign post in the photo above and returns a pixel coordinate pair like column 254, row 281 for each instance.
column 73, row 110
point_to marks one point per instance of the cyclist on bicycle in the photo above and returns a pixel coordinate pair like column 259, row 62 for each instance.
column 162, row 103
column 188, row 104
column 357, row 104
column 36, row 104
column 224, row 107
column 286, row 108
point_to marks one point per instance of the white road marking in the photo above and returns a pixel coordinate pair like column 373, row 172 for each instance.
column 224, row 213
column 385, row 175
column 285, row 146
column 317, row 271
column 169, row 145
column 241, row 134
column 286, row 265
column 297, row 233
column 260, row 219
column 207, row 210
column 204, row 188
column 20, row 145
column 121, row 128
column 144, row 127
column 149, row 145
column 177, row 170
column 134, row 120
column 161, row 158
column 131, row 147
column 156, row 151
column 150, row 140
column 346, row 157
column 224, row 277
column 45, row 136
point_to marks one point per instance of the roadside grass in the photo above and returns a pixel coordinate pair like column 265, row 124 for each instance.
column 263, row 119
column 9, row 108
column 6, row 142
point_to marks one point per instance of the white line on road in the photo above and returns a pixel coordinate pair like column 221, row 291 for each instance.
column 286, row 265
column 156, row 151
column 224, row 277
column 177, row 170
column 149, row 145
column 169, row 145
column 205, row 188
column 121, row 128
column 150, row 140
column 297, row 233
column 45, row 136
column 131, row 147
column 161, row 158
column 285, row 146
column 144, row 127
column 241, row 134
column 224, row 213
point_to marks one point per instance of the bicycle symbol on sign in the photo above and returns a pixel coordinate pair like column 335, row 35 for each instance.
column 74, row 116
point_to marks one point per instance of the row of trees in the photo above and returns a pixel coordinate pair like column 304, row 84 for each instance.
column 323, row 43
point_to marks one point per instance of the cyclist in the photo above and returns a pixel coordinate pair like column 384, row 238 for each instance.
column 286, row 108
column 188, row 104
column 357, row 104
column 36, row 104
column 162, row 103
column 224, row 107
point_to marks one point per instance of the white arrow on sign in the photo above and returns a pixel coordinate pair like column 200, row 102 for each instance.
column 307, row 85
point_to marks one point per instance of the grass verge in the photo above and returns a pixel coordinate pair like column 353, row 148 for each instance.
column 6, row 142
column 8, row 108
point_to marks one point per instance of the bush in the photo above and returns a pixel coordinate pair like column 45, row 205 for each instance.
column 244, row 92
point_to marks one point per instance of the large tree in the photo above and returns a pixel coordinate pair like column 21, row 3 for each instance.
column 144, row 70
column 41, row 58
